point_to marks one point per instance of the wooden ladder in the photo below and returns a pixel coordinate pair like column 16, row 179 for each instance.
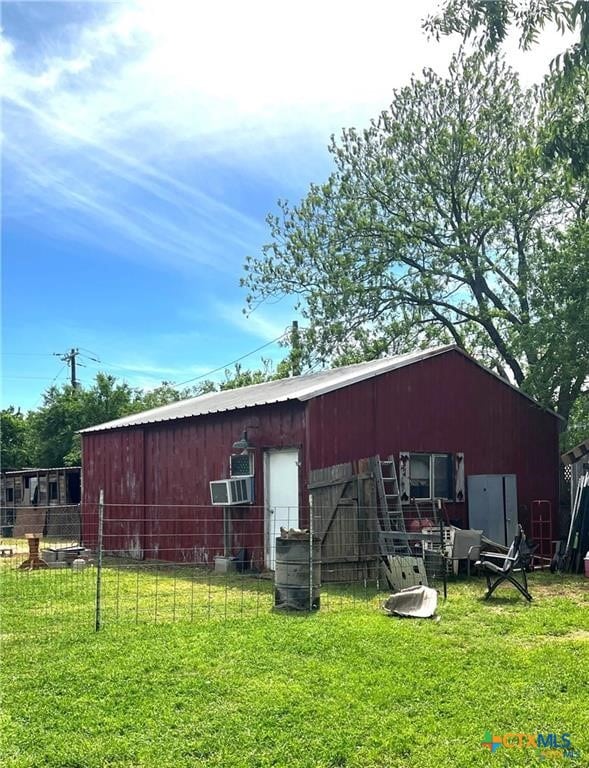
column 390, row 512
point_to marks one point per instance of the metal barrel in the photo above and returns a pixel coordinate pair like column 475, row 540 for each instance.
column 293, row 573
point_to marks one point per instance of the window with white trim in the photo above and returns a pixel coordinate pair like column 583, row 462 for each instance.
column 431, row 476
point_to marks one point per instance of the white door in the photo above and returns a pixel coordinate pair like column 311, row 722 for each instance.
column 281, row 482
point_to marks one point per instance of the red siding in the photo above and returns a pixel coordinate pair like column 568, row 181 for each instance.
column 116, row 466
column 173, row 464
column 443, row 404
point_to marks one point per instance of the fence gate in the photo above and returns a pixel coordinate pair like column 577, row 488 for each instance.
column 344, row 518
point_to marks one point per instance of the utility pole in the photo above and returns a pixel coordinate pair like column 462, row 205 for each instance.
column 70, row 359
column 296, row 351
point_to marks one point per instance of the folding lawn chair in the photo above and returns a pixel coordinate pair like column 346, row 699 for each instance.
column 513, row 566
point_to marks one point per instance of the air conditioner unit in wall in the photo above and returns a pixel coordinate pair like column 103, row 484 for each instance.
column 236, row 490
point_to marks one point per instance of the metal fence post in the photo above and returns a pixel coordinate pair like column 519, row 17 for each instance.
column 444, row 559
column 99, row 559
column 310, row 553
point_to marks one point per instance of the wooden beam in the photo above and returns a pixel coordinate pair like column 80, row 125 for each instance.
column 350, row 559
column 334, row 509
column 329, row 483
column 401, row 536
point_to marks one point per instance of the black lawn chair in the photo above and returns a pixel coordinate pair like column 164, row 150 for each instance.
column 512, row 569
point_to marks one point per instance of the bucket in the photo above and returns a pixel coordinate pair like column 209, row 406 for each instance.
column 78, row 564
column 292, row 575
column 587, row 565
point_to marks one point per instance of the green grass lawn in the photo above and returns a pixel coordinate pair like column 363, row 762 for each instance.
column 220, row 680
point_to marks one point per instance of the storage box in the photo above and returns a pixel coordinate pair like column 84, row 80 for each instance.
column 225, row 564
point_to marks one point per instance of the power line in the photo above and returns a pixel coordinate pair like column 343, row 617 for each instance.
column 237, row 360
column 69, row 358
column 58, row 374
column 202, row 375
column 106, row 363
column 53, row 380
column 87, row 356
column 37, row 378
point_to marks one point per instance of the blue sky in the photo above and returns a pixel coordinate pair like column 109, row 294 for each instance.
column 143, row 145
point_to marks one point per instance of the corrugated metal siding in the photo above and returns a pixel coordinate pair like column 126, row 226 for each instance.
column 177, row 461
column 114, row 462
column 443, row 404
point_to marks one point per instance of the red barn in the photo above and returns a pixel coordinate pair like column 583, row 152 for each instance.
column 451, row 423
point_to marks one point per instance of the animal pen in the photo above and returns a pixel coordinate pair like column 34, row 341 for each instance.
column 359, row 545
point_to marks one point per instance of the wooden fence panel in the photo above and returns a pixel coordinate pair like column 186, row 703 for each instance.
column 343, row 507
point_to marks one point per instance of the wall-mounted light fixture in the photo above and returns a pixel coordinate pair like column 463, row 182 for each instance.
column 243, row 444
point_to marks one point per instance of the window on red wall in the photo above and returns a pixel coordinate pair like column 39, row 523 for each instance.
column 431, row 475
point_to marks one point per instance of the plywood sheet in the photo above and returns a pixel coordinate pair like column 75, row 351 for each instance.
column 29, row 520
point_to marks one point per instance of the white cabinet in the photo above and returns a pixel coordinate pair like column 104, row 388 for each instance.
column 492, row 506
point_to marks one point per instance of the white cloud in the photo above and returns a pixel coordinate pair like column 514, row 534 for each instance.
column 260, row 324
column 106, row 122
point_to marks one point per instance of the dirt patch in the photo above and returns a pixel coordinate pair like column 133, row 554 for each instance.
column 575, row 591
column 577, row 635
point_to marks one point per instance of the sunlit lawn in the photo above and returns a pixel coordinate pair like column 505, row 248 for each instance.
column 192, row 670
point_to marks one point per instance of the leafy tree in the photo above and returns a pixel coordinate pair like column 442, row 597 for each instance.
column 108, row 399
column 441, row 223
column 53, row 426
column 244, row 378
column 564, row 131
column 67, row 409
column 167, row 393
column 566, row 90
column 578, row 429
column 15, row 439
column 490, row 23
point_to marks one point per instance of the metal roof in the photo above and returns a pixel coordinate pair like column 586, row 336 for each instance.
column 299, row 388
column 28, row 470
